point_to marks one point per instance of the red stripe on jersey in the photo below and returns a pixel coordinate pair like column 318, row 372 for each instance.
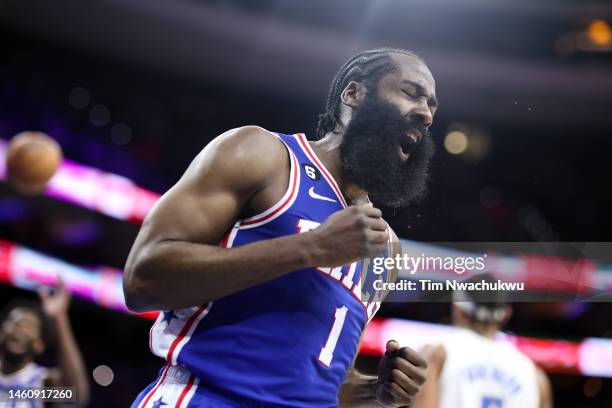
column 313, row 157
column 184, row 331
column 150, row 394
column 185, row 391
column 291, row 195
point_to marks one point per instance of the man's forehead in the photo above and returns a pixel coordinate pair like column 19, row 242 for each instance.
column 414, row 70
column 23, row 314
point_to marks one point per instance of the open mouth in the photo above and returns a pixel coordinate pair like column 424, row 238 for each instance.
column 408, row 144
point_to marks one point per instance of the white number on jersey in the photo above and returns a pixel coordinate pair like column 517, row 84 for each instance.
column 327, row 352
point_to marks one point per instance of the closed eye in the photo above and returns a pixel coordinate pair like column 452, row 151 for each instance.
column 410, row 95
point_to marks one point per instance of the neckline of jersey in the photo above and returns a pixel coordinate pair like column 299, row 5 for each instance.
column 319, row 163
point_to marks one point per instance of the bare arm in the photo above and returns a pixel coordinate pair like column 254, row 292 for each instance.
column 358, row 390
column 176, row 260
column 429, row 397
column 401, row 372
column 544, row 387
column 71, row 371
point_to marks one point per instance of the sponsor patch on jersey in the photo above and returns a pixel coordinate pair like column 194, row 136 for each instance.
column 311, row 171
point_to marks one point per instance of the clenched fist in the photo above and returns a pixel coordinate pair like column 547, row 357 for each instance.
column 349, row 235
column 401, row 372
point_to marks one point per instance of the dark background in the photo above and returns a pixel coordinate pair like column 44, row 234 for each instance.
column 178, row 73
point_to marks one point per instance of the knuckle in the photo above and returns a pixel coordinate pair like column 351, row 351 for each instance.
column 395, row 374
column 362, row 220
column 395, row 363
column 421, row 376
column 407, row 353
column 359, row 225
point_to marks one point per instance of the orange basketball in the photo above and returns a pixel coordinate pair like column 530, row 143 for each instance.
column 31, row 160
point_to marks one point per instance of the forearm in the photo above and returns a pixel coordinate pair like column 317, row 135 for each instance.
column 178, row 274
column 358, row 391
column 70, row 359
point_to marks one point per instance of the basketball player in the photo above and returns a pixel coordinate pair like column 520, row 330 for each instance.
column 22, row 340
column 472, row 369
column 254, row 255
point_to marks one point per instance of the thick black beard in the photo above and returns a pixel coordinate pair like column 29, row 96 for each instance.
column 370, row 158
column 16, row 359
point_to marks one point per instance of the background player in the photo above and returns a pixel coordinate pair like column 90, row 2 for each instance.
column 22, row 339
column 471, row 369
column 270, row 316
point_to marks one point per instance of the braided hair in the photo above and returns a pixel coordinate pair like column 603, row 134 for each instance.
column 368, row 66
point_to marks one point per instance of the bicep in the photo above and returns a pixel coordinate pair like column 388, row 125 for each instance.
column 199, row 214
column 428, row 396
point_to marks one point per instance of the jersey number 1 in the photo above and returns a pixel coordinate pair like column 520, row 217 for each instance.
column 327, row 352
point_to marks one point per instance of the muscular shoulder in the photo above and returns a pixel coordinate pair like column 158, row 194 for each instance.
column 246, row 156
column 248, row 142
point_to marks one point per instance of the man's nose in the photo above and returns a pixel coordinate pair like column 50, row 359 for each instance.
column 424, row 114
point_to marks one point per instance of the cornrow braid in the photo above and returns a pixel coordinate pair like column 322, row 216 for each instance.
column 369, row 66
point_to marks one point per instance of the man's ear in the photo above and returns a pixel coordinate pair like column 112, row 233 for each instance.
column 353, row 94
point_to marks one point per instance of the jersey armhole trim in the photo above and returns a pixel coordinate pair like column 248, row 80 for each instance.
column 283, row 203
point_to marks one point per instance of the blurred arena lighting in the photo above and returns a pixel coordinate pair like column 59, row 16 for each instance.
column 75, row 233
column 471, row 142
column 597, row 37
column 107, row 193
column 590, row 357
column 599, row 32
column 99, row 115
column 103, row 375
column 121, row 134
column 456, row 142
column 28, row 269
column 78, row 98
column 591, row 387
column 12, row 209
column 479, row 145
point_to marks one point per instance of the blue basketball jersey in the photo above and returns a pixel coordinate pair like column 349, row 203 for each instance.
column 286, row 342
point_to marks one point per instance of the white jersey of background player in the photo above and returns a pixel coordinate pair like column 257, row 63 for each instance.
column 470, row 369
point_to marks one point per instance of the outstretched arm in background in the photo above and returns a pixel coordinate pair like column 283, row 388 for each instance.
column 429, row 397
column 71, row 371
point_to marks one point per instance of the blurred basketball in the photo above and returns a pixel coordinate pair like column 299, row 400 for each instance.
column 31, row 160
